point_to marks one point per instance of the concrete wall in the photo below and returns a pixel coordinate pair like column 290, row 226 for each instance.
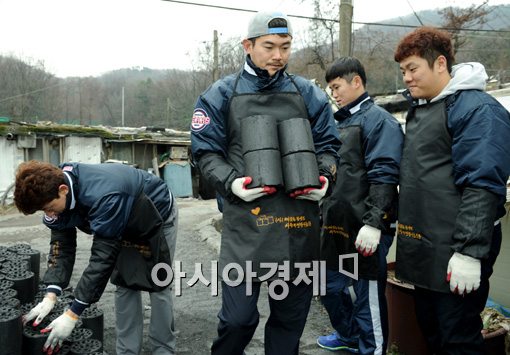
column 500, row 280
column 10, row 157
column 83, row 149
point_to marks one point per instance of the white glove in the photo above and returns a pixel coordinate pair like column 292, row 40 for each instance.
column 240, row 190
column 41, row 310
column 463, row 273
column 59, row 330
column 312, row 193
column 367, row 240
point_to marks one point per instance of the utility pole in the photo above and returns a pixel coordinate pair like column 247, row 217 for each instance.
column 122, row 116
column 80, row 100
column 168, row 112
column 216, row 71
column 345, row 28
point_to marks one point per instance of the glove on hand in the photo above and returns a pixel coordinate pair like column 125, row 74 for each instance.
column 367, row 240
column 60, row 329
column 463, row 273
column 312, row 193
column 240, row 190
column 41, row 310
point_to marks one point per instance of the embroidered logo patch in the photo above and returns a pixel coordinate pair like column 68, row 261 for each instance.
column 199, row 120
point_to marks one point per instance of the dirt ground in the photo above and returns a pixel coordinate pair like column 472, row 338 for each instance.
column 196, row 309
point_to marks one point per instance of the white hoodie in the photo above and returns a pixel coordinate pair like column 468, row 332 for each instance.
column 465, row 76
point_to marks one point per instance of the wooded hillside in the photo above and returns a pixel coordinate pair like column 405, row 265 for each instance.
column 165, row 98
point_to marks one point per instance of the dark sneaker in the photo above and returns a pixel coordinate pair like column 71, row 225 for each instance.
column 333, row 343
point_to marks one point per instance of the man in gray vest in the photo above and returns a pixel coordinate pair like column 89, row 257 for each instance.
column 455, row 164
column 256, row 226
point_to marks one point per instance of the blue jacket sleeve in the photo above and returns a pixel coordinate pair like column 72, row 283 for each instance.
column 90, row 287
column 208, row 131
column 383, row 141
column 481, row 164
column 61, row 257
column 481, row 148
column 209, row 138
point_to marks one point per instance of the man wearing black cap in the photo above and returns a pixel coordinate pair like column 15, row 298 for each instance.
column 263, row 224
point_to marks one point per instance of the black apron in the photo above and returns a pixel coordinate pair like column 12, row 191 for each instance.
column 143, row 246
column 344, row 209
column 274, row 228
column 428, row 200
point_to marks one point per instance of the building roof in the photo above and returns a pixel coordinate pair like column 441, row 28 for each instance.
column 159, row 135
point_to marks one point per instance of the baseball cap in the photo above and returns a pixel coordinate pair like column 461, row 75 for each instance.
column 259, row 24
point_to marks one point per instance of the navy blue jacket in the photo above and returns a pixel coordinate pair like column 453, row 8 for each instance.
column 381, row 146
column 480, row 129
column 99, row 202
column 209, row 131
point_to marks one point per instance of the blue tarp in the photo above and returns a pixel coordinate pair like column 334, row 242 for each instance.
column 503, row 310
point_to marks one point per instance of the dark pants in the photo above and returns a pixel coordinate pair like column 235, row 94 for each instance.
column 361, row 322
column 239, row 318
column 451, row 323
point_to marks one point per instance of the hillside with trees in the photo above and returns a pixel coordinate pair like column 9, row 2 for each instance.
column 165, row 98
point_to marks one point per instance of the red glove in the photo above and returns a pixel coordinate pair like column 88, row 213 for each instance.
column 246, row 194
column 312, row 193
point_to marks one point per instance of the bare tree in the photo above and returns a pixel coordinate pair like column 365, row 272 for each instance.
column 167, row 97
column 458, row 19
column 321, row 40
column 24, row 87
column 231, row 56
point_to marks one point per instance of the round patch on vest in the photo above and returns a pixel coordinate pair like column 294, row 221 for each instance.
column 199, row 120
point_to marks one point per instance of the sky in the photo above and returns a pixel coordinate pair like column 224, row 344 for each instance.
column 91, row 37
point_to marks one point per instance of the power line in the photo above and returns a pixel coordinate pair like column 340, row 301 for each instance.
column 213, row 6
column 333, row 20
column 442, row 28
column 246, row 10
column 485, row 50
column 33, row 92
column 414, row 12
